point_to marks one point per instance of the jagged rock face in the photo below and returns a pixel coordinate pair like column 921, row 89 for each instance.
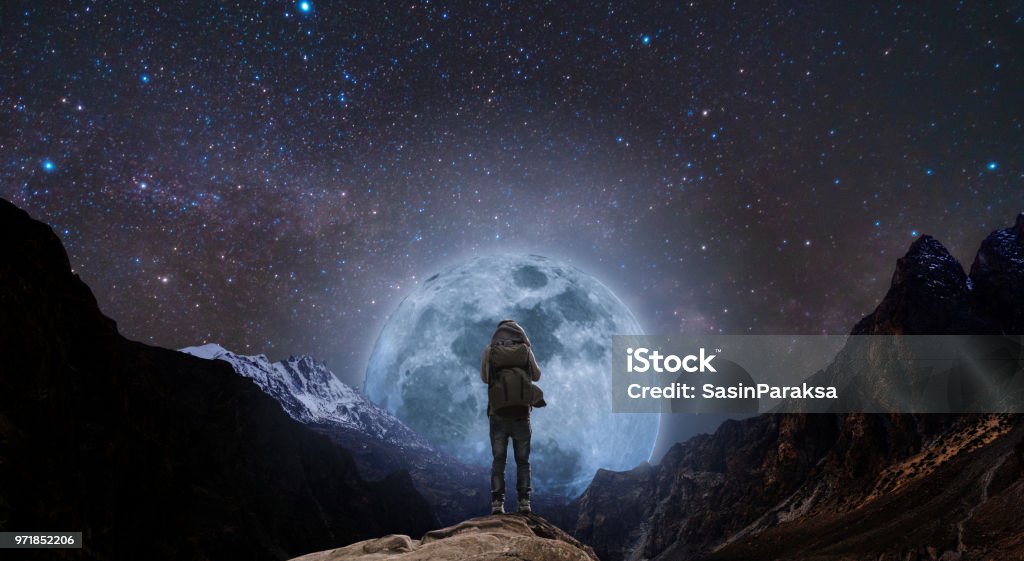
column 705, row 489
column 150, row 450
column 928, row 513
column 998, row 277
column 489, row 538
column 615, row 523
column 928, row 294
column 854, row 486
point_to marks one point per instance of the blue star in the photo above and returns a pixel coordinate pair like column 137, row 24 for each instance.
column 305, row 7
column 48, row 165
column 993, row 166
column 144, row 78
column 929, row 171
column 878, row 223
column 913, row 233
column 645, row 39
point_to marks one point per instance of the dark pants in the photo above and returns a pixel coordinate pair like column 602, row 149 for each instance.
column 503, row 428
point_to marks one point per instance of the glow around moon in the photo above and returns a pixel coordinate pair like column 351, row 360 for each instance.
column 425, row 365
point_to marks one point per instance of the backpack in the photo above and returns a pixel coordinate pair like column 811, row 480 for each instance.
column 509, row 387
column 510, row 382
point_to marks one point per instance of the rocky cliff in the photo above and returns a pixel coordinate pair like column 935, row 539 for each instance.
column 508, row 537
column 150, row 452
column 851, row 486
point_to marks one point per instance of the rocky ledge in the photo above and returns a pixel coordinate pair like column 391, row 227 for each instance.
column 508, row 537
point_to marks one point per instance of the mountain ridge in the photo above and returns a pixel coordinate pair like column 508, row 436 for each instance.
column 311, row 394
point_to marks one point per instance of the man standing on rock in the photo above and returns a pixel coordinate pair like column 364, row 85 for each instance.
column 509, row 369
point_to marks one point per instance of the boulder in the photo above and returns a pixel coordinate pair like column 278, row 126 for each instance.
column 508, row 537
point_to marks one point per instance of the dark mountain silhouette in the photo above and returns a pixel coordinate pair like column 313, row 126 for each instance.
column 843, row 486
column 153, row 453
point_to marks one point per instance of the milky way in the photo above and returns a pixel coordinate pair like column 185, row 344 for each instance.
column 276, row 176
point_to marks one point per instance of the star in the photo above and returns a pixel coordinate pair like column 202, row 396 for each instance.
column 369, row 146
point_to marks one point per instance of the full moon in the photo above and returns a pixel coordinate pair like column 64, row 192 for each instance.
column 425, row 366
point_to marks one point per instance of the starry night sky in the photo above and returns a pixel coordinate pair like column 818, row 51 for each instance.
column 276, row 176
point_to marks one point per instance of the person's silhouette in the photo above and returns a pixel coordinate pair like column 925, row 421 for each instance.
column 508, row 367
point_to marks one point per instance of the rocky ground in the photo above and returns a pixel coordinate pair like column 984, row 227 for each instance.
column 506, row 537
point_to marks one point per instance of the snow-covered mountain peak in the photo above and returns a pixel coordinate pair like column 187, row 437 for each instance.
column 208, row 351
column 312, row 394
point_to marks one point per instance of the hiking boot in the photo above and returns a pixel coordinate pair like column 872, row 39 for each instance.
column 524, row 505
column 498, row 506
